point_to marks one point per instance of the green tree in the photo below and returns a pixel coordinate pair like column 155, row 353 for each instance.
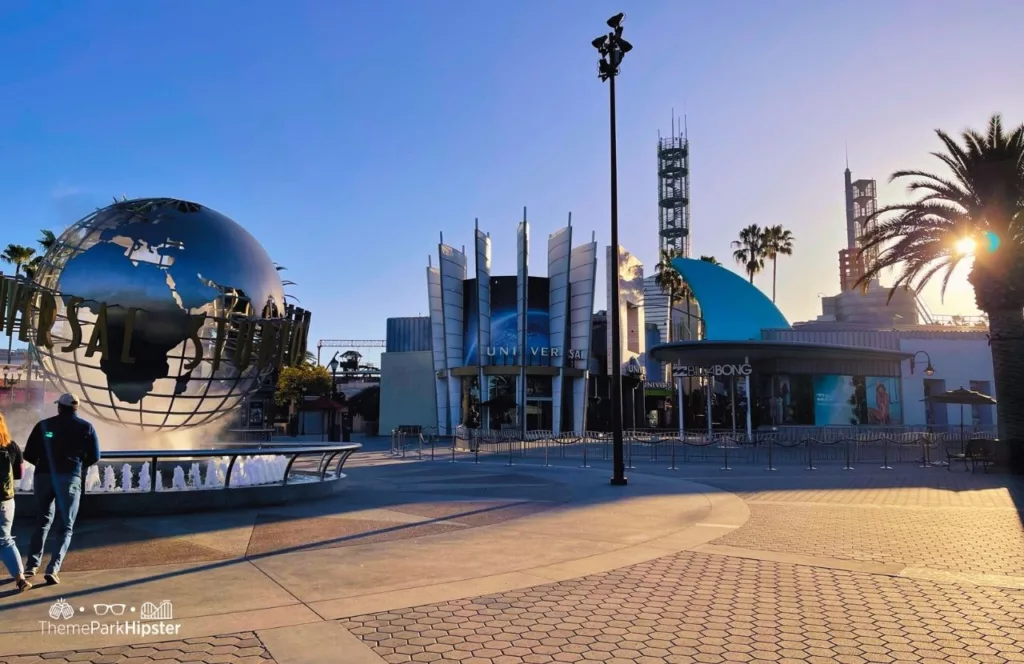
column 671, row 284
column 17, row 255
column 710, row 259
column 47, row 240
column 366, row 404
column 777, row 241
column 749, row 250
column 978, row 204
column 307, row 380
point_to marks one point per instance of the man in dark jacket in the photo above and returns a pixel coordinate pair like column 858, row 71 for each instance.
column 61, row 448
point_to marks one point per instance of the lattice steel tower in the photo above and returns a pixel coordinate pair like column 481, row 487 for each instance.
column 674, row 192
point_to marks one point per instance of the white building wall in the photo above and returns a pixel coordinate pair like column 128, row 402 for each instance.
column 483, row 289
column 453, row 276
column 957, row 362
column 631, row 298
column 437, row 342
column 559, row 244
column 582, row 278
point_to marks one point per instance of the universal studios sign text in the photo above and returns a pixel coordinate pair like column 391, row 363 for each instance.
column 715, row 370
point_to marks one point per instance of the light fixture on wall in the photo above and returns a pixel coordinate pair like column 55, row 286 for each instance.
column 929, row 370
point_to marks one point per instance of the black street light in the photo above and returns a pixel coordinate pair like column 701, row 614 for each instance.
column 333, row 366
column 928, row 370
column 612, row 48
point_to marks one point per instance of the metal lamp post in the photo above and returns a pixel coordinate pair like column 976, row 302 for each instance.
column 333, row 366
column 612, row 48
column 929, row 370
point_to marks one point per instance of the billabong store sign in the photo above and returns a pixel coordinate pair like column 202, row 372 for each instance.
column 716, row 370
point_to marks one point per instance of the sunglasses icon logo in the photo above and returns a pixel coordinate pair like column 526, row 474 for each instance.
column 112, row 609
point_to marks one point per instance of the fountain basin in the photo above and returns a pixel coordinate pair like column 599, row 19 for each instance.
column 184, row 481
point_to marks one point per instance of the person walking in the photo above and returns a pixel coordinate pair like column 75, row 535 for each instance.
column 10, row 471
column 61, row 448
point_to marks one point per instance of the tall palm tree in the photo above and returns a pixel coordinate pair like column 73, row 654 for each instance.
column 749, row 250
column 777, row 242
column 671, row 283
column 710, row 259
column 18, row 256
column 47, row 240
column 980, row 204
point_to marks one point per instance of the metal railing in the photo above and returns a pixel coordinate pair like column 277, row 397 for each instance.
column 331, row 454
column 804, row 447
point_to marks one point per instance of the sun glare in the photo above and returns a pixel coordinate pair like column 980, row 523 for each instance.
column 966, row 246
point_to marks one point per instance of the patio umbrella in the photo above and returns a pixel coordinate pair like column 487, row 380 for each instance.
column 961, row 397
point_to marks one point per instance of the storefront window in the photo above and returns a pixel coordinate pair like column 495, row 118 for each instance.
column 856, row 400
column 501, row 401
column 471, row 409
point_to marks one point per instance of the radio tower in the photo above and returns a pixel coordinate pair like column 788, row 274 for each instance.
column 674, row 191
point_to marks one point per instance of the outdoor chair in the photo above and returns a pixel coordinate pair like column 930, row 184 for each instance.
column 977, row 451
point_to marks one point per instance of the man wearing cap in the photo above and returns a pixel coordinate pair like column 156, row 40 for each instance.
column 61, row 448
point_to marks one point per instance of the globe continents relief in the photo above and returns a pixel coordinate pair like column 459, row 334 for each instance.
column 151, row 267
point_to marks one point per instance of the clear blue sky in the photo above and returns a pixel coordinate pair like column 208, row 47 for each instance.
column 346, row 135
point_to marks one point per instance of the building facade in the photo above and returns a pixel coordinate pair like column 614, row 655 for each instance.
column 505, row 351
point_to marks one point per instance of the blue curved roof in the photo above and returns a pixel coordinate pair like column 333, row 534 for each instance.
column 732, row 307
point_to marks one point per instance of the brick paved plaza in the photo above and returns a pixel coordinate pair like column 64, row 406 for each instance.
column 437, row 562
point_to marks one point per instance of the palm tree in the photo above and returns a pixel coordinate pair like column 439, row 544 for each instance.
column 47, row 240
column 777, row 242
column 980, row 203
column 671, row 283
column 749, row 250
column 710, row 259
column 18, row 256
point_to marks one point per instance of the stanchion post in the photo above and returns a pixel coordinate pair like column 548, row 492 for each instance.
column 725, row 450
column 848, row 466
column 511, row 442
column 546, row 446
column 454, row 441
column 810, row 454
column 925, row 461
column 585, row 453
column 672, row 452
column 771, row 449
column 885, row 454
column 629, row 454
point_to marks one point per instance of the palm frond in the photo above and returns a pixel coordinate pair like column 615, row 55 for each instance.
column 982, row 194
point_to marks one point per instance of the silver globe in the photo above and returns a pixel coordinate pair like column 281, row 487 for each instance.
column 168, row 259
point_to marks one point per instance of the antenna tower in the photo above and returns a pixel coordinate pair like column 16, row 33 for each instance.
column 674, row 191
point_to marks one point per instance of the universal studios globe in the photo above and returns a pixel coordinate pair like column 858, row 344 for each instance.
column 151, row 268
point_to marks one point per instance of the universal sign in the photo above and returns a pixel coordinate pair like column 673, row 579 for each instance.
column 713, row 370
column 512, row 351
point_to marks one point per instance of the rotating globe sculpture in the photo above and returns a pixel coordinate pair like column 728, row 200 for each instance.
column 149, row 270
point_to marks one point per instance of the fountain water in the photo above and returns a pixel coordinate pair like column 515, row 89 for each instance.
column 144, row 479
column 247, row 471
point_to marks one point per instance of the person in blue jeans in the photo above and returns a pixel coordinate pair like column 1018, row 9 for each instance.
column 10, row 473
column 61, row 448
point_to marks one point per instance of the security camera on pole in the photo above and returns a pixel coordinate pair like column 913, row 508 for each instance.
column 612, row 48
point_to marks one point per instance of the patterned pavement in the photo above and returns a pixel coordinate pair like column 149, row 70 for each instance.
column 942, row 539
column 703, row 607
column 243, row 648
column 694, row 607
